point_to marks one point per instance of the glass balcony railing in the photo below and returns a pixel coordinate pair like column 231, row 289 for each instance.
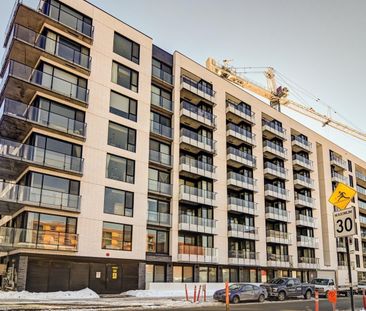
column 194, row 252
column 31, row 154
column 304, row 198
column 242, row 179
column 277, row 213
column 307, row 241
column 274, row 147
column 243, row 254
column 49, row 45
column 197, row 86
column 196, row 113
column 240, row 205
column 159, row 187
column 275, row 189
column 336, row 160
column 241, row 155
column 195, row 165
column 159, row 157
column 162, row 102
column 196, row 192
column 45, row 80
column 28, row 238
column 241, row 131
column 302, row 160
column 162, row 75
column 274, row 128
column 361, row 190
column 197, row 221
column 308, row 260
column 301, row 142
column 195, row 139
column 306, row 220
column 274, row 236
column 161, row 129
column 338, row 177
column 42, row 197
column 66, row 18
column 362, row 204
column 42, row 117
column 159, row 219
column 361, row 176
column 241, row 110
column 240, row 230
column 275, row 169
column 279, row 258
column 304, row 179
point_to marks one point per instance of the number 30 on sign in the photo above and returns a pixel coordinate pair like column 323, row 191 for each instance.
column 344, row 223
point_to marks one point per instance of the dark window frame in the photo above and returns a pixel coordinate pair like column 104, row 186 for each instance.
column 127, row 115
column 135, row 59
column 123, row 238
column 129, row 131
column 126, row 175
column 132, row 71
column 124, row 208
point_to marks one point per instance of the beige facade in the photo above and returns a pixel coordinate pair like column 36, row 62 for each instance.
column 241, row 193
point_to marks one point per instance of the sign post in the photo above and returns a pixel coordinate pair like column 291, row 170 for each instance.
column 344, row 222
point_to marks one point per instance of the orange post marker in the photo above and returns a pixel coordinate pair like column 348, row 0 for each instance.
column 316, row 295
column 204, row 293
column 195, row 293
column 363, row 299
column 187, row 298
column 227, row 296
column 199, row 293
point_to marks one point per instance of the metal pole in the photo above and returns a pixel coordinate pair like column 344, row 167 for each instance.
column 349, row 273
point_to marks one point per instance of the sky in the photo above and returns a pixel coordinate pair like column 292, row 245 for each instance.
column 320, row 45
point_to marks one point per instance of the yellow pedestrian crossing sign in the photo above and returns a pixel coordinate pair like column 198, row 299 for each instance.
column 342, row 195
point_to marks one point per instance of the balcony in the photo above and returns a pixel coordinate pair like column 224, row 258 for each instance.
column 243, row 257
column 300, row 162
column 242, row 231
column 48, row 13
column 301, row 181
column 281, row 261
column 192, row 167
column 341, row 246
column 272, row 130
column 21, row 82
column 275, row 192
column 237, row 113
column 361, row 192
column 159, row 219
column 277, row 214
column 194, row 142
column 237, row 135
column 192, row 253
column 308, row 263
column 197, row 88
column 17, row 120
column 361, row 176
column 306, row 221
column 16, row 157
column 304, row 201
column 195, row 117
column 197, row 196
column 162, row 76
column 160, row 158
column 338, row 162
column 29, row 46
column 272, row 150
column 161, row 130
column 14, row 197
column 238, row 181
column 336, row 177
column 242, row 206
column 163, row 104
column 278, row 237
column 15, row 238
column 238, row 158
column 307, row 241
column 362, row 204
column 197, row 224
column 273, row 171
column 158, row 187
column 300, row 144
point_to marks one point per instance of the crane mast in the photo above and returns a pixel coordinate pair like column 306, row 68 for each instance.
column 278, row 96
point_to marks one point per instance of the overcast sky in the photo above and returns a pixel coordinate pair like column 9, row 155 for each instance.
column 320, row 45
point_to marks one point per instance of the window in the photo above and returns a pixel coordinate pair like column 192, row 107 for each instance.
column 154, row 273
column 349, row 165
column 358, row 264
column 118, row 202
column 160, row 152
column 121, row 137
column 160, row 176
column 126, row 48
column 117, row 236
column 123, row 106
column 157, row 241
column 351, row 180
column 120, row 168
column 162, row 71
column 125, row 76
column 158, row 206
column 182, row 274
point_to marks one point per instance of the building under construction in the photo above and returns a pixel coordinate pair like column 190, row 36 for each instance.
column 123, row 164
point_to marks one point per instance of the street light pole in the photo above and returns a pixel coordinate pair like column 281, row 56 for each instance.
column 350, row 273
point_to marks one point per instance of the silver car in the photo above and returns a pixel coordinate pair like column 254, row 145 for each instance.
column 242, row 292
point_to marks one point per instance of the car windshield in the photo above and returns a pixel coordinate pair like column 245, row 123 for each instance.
column 234, row 287
column 278, row 281
column 320, row 281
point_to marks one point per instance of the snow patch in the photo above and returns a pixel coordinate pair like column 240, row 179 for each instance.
column 162, row 293
column 85, row 293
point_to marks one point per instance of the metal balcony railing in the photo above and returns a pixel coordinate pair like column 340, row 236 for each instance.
column 42, row 117
column 42, row 197
column 45, row 80
column 31, row 154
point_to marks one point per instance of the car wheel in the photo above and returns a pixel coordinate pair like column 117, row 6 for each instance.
column 236, row 299
column 261, row 298
column 281, row 296
column 307, row 294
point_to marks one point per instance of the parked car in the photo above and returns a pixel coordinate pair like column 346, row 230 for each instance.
column 324, row 285
column 242, row 292
column 282, row 288
column 361, row 286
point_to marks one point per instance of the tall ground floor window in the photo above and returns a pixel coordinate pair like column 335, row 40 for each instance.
column 155, row 273
column 182, row 274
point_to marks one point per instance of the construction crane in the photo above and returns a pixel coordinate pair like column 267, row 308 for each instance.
column 277, row 95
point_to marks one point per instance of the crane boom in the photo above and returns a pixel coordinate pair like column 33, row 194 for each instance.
column 278, row 96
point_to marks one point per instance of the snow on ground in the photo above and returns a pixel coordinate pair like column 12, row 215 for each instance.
column 162, row 293
column 85, row 293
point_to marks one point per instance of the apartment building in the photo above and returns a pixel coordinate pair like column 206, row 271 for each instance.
column 122, row 164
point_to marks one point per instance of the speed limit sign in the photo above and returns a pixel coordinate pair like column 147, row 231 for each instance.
column 344, row 223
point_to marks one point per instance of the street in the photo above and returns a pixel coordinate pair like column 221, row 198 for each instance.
column 343, row 304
